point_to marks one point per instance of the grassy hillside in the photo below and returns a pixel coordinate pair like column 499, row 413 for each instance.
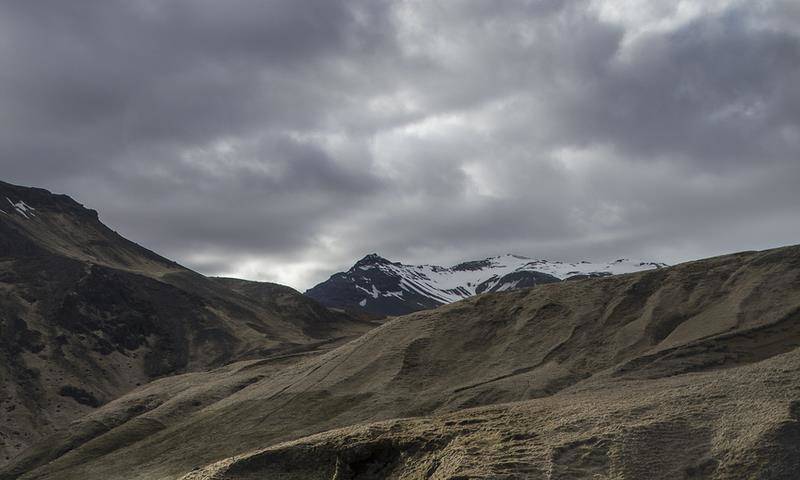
column 684, row 372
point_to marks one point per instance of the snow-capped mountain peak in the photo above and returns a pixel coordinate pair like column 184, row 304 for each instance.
column 384, row 287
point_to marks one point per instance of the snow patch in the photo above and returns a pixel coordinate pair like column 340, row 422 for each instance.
column 22, row 208
column 398, row 294
column 374, row 293
column 508, row 286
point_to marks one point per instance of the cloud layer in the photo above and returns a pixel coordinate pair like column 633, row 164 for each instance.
column 281, row 140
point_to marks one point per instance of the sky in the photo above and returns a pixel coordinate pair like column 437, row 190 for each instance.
column 282, row 140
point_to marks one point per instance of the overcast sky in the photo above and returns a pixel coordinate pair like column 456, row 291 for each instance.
column 282, row 140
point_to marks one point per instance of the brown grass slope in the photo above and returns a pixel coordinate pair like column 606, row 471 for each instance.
column 685, row 372
column 86, row 315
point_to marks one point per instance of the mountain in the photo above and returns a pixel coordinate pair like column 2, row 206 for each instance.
column 87, row 315
column 690, row 371
column 382, row 287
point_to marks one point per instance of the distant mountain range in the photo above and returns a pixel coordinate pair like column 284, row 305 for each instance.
column 379, row 286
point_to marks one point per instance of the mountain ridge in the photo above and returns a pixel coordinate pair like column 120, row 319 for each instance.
column 87, row 315
column 380, row 286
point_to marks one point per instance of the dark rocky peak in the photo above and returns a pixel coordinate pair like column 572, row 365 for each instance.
column 41, row 220
column 371, row 260
column 489, row 262
column 473, row 265
column 28, row 202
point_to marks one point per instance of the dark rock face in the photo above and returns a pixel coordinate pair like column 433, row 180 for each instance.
column 473, row 265
column 118, row 311
column 17, row 337
column 79, row 395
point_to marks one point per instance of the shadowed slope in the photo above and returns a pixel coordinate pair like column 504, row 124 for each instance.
column 86, row 315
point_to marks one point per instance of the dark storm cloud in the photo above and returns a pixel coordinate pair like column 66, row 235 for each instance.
column 282, row 139
column 714, row 91
column 102, row 76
